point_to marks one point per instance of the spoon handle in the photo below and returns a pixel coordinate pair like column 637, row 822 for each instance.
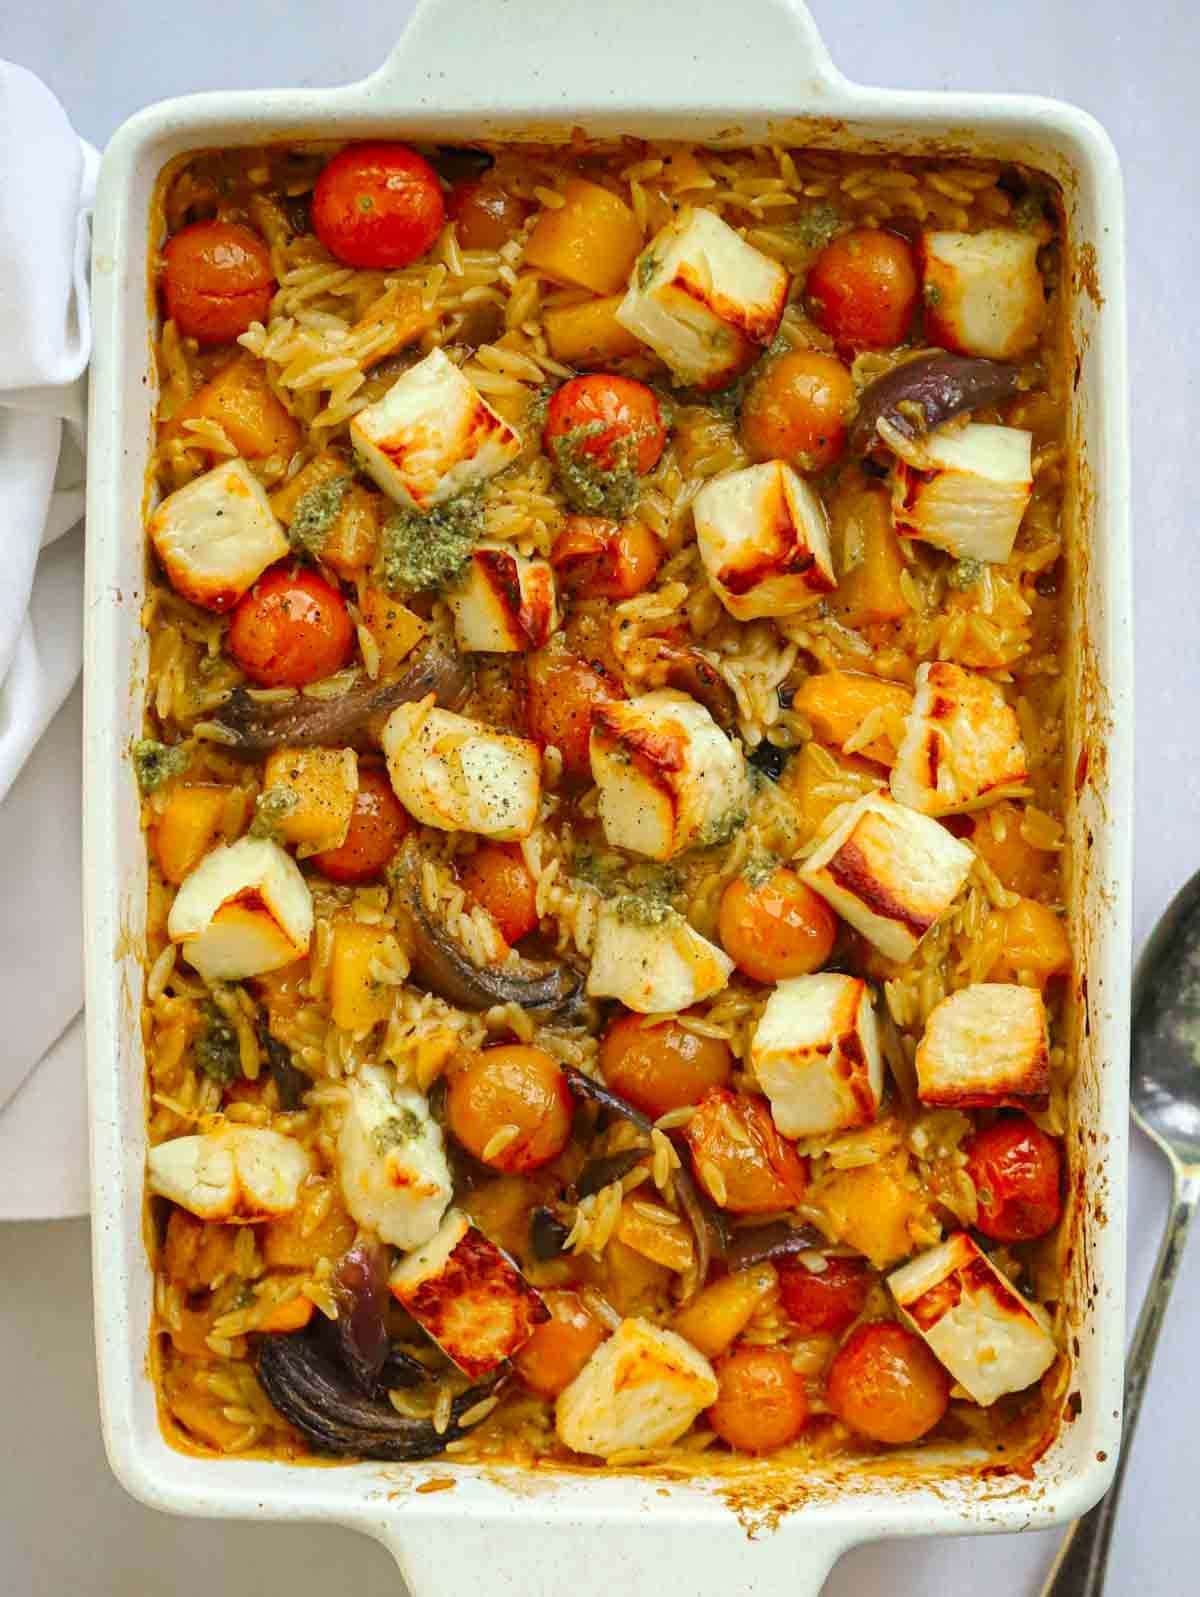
column 1082, row 1561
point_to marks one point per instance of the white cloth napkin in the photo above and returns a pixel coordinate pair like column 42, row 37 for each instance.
column 47, row 180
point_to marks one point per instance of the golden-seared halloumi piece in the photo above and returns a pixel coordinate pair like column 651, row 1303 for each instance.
column 641, row 1388
column 461, row 775
column 505, row 602
column 216, row 535
column 235, row 1173
column 245, row 910
column 469, row 1296
column 969, row 494
column 763, row 536
column 653, row 968
column 888, row 871
column 432, row 435
column 983, row 292
column 669, row 778
column 990, row 1337
column 984, row 1047
column 815, row 1053
column 704, row 300
column 962, row 744
column 391, row 1160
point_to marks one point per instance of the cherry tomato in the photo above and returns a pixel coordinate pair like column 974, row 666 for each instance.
column 559, row 1346
column 487, row 215
column 497, row 877
column 1017, row 1171
column 884, row 1383
column 378, row 824
column 291, row 628
column 662, row 1067
column 777, row 930
column 862, row 289
column 761, row 1401
column 563, row 695
column 823, row 1302
column 217, row 281
column 739, row 1158
column 797, row 410
column 377, row 205
column 600, row 559
column 614, row 422
column 512, row 1085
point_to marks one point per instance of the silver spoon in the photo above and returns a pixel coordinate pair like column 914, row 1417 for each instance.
column 1165, row 1090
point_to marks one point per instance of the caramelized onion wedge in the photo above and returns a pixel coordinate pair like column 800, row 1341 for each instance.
column 689, row 672
column 360, row 1292
column 775, row 1241
column 584, row 1087
column 927, row 392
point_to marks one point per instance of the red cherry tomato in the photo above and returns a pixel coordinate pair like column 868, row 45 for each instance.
column 862, row 289
column 1017, row 1171
column 738, row 1156
column 824, row 1302
column 614, row 422
column 378, row 205
column 761, row 1402
column 217, row 280
column 487, row 215
column 497, row 877
column 885, row 1383
column 563, row 694
column 290, row 629
column 506, row 1087
column 378, row 824
column 595, row 558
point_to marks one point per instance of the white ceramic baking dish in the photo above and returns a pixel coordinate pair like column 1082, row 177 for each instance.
column 738, row 73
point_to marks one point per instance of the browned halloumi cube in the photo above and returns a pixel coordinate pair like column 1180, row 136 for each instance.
column 983, row 291
column 505, row 603
column 962, row 744
column 815, row 1053
column 641, row 1388
column 763, row 536
column 984, row 1047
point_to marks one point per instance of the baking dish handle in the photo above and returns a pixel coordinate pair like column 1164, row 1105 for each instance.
column 569, row 56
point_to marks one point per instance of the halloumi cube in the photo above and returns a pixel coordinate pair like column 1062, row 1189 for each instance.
column 763, row 536
column 654, row 968
column 245, row 910
column 969, row 496
column 310, row 796
column 216, row 535
column 236, row 1173
column 889, row 872
column 983, row 292
column 815, row 1053
column 962, row 744
column 391, row 1160
column 461, row 775
column 989, row 1336
column 669, row 778
column 704, row 300
column 505, row 602
column 469, row 1296
column 984, row 1047
column 432, row 436
column 642, row 1388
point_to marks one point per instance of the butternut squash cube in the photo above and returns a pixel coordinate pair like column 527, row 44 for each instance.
column 1035, row 940
column 187, row 828
column 816, row 790
column 321, row 469
column 839, row 702
column 588, row 334
column 660, row 1235
column 868, row 559
column 395, row 628
column 312, row 793
column 399, row 316
column 240, row 399
column 718, row 1315
column 590, row 240
column 357, row 998
column 872, row 1207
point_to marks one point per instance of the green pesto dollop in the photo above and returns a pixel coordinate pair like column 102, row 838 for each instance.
column 721, row 829
column 218, row 1053
column 271, row 808
column 644, row 894
column 316, row 511
column 611, row 488
column 155, row 763
column 964, row 574
column 817, row 226
column 760, row 867
column 427, row 550
column 403, row 1127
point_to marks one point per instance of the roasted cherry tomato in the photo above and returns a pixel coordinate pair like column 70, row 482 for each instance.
column 778, row 929
column 378, row 824
column 377, row 205
column 884, row 1383
column 862, row 289
column 662, row 1067
column 487, row 215
column 797, row 410
column 739, row 1158
column 596, row 558
column 217, row 280
column 826, row 1301
column 497, row 877
column 1017, row 1171
column 291, row 628
column 510, row 1106
column 563, row 694
column 761, row 1401
column 614, row 423
column 560, row 1346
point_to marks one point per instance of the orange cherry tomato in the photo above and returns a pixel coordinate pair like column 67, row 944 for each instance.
column 738, row 1156
column 377, row 205
column 1017, row 1171
column 497, row 877
column 378, row 825
column 512, row 1085
column 600, row 559
column 487, row 215
column 862, row 289
column 662, row 1067
column 291, row 628
column 761, row 1401
column 777, row 930
column 797, row 410
column 559, row 1346
column 823, row 1302
column 563, row 694
column 884, row 1383
column 217, row 280
column 612, row 422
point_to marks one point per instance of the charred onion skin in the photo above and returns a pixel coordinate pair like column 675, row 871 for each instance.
column 923, row 394
column 360, row 1291
column 779, row 1240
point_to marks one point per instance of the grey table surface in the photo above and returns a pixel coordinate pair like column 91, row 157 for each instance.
column 65, row 1525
